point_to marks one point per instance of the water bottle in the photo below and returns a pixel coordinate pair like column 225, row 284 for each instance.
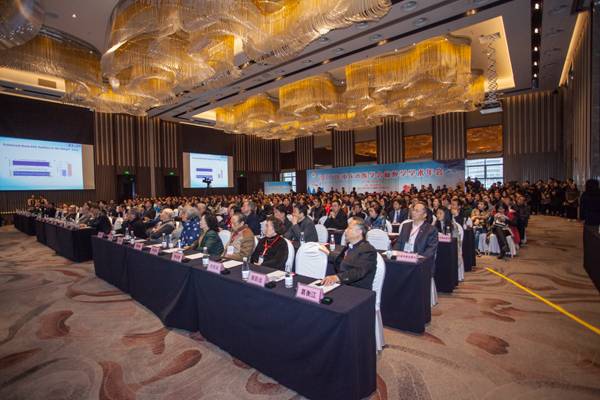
column 388, row 253
column 332, row 243
column 179, row 248
column 169, row 242
column 132, row 241
column 126, row 234
column 205, row 256
column 163, row 243
column 289, row 280
column 245, row 269
column 302, row 237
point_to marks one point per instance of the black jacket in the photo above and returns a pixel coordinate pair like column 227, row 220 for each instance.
column 426, row 241
column 138, row 227
column 101, row 223
column 397, row 219
column 316, row 213
column 339, row 222
column 355, row 265
column 306, row 226
column 276, row 255
column 590, row 208
column 252, row 222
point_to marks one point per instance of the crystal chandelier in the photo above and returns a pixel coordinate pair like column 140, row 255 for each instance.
column 429, row 78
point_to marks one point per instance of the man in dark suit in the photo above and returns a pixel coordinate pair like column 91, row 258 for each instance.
column 357, row 211
column 337, row 218
column 317, row 211
column 249, row 211
column 301, row 224
column 355, row 264
column 134, row 222
column 418, row 236
column 99, row 220
column 397, row 214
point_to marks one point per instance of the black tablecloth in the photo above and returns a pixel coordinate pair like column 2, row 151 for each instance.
column 591, row 253
column 24, row 223
column 406, row 295
column 73, row 244
column 446, row 266
column 468, row 250
column 322, row 352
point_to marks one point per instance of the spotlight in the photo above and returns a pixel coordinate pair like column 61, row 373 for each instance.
column 537, row 6
column 535, row 48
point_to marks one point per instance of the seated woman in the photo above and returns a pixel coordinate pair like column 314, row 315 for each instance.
column 209, row 237
column 272, row 250
column 443, row 222
column 375, row 220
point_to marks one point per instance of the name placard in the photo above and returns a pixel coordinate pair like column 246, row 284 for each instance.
column 100, row 235
column 215, row 266
column 406, row 257
column 138, row 246
column 177, row 256
column 258, row 279
column 444, row 238
column 120, row 240
column 154, row 250
column 110, row 237
column 310, row 293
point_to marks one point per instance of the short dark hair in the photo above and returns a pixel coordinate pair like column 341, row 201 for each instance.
column 211, row 221
column 240, row 217
column 301, row 208
column 281, row 208
column 357, row 221
column 277, row 225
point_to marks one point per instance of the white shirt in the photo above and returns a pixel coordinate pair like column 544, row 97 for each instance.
column 410, row 244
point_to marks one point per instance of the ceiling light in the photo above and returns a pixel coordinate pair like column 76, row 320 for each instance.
column 535, row 75
column 537, row 6
column 535, row 63
column 74, row 15
column 323, row 39
column 339, row 50
column 409, row 5
column 307, row 61
column 326, row 62
column 536, row 30
column 420, row 21
column 472, row 12
column 375, row 37
column 382, row 42
column 535, row 48
column 362, row 25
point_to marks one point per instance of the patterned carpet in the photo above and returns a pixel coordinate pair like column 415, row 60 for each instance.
column 64, row 334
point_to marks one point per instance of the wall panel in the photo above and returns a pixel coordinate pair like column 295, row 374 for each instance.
column 389, row 141
column 343, row 148
column 449, row 136
column 305, row 152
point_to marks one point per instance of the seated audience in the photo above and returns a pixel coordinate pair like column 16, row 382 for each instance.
column 209, row 238
column 443, row 223
column 241, row 243
column 357, row 211
column 280, row 213
column 166, row 225
column 249, row 210
column 337, row 218
column 191, row 226
column 317, row 211
column 99, row 220
column 271, row 250
column 133, row 222
column 397, row 214
column 375, row 220
column 418, row 236
column 301, row 227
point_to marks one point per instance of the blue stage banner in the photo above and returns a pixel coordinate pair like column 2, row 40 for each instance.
column 277, row 187
column 387, row 177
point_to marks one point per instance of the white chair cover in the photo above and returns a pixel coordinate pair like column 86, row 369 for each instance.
column 377, row 288
column 262, row 227
column 289, row 264
column 388, row 226
column 461, row 263
column 321, row 233
column 493, row 247
column 434, row 296
column 322, row 219
column 225, row 235
column 219, row 218
column 378, row 239
column 311, row 261
column 118, row 224
column 343, row 240
column 511, row 246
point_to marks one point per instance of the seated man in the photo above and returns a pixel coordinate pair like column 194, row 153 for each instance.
column 133, row 222
column 375, row 220
column 301, row 225
column 418, row 236
column 272, row 250
column 241, row 243
column 357, row 211
column 99, row 220
column 165, row 225
column 249, row 210
column 355, row 264
column 71, row 214
column 337, row 218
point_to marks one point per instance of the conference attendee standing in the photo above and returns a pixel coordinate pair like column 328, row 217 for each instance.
column 590, row 203
column 337, row 218
column 271, row 250
column 301, row 226
column 99, row 220
column 166, row 225
column 191, row 226
column 241, row 243
column 249, row 210
column 355, row 264
column 209, row 238
column 417, row 236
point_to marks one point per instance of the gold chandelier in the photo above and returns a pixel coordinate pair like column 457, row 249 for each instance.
column 426, row 79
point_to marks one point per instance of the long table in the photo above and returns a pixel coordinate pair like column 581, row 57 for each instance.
column 73, row 244
column 320, row 351
column 591, row 253
column 446, row 266
column 24, row 223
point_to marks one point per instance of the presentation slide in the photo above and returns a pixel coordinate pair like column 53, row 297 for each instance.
column 216, row 167
column 40, row 165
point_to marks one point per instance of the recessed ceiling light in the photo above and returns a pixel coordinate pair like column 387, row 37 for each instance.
column 409, row 5
column 535, row 48
column 420, row 21
column 375, row 37
column 74, row 15
column 537, row 6
column 323, row 39
column 395, row 50
column 382, row 42
column 536, row 30
column 307, row 61
column 362, row 25
column 535, row 63
column 472, row 12
column 339, row 50
column 326, row 62
column 535, row 75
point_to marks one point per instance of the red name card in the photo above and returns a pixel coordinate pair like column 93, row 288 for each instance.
column 444, row 238
column 138, row 246
column 406, row 257
column 177, row 256
column 120, row 240
column 100, row 235
column 258, row 279
column 310, row 293
column 215, row 266
column 154, row 250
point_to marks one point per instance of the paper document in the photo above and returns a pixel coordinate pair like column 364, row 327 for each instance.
column 326, row 289
column 231, row 264
column 194, row 256
column 276, row 276
column 173, row 250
